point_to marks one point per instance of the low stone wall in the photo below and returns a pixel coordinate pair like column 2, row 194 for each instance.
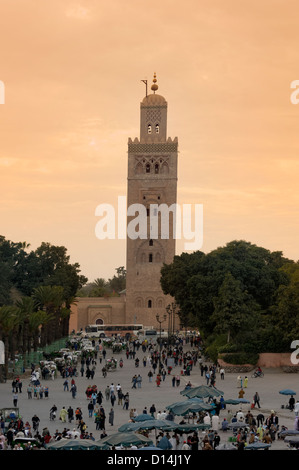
column 266, row 360
column 235, row 368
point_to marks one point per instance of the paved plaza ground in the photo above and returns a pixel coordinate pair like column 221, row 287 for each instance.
column 268, row 388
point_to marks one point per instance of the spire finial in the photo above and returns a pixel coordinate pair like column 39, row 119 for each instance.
column 154, row 86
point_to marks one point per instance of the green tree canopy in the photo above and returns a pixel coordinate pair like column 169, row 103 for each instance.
column 233, row 308
column 26, row 271
column 286, row 308
column 226, row 286
column 102, row 288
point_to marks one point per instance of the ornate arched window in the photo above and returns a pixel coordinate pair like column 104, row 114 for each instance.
column 139, row 168
column 165, row 168
column 139, row 302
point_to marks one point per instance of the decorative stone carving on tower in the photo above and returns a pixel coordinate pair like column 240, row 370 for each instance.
column 152, row 180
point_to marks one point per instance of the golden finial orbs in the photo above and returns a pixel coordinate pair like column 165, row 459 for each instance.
column 154, row 86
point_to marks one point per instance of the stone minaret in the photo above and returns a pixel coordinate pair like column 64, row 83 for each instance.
column 152, row 180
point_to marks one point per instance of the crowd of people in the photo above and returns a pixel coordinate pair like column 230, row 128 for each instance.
column 155, row 357
column 152, row 361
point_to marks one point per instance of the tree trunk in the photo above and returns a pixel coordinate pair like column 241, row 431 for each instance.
column 228, row 336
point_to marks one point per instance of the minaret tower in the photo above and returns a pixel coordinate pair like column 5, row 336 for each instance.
column 152, row 182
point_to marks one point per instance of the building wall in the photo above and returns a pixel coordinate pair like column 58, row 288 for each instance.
column 88, row 310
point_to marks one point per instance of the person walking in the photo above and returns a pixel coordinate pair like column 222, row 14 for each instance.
column 194, row 441
column 291, row 403
column 139, row 381
column 35, row 422
column 112, row 398
column 63, row 415
column 74, row 390
column 216, row 440
column 207, row 377
column 15, row 399
column 256, row 400
column 53, row 413
column 150, row 376
column 158, row 380
column 102, row 418
column 152, row 410
column 126, row 401
column 70, row 414
column 134, row 381
column 29, row 391
column 90, row 408
column 111, row 416
column 19, row 385
column 99, row 397
column 120, row 396
column 66, row 385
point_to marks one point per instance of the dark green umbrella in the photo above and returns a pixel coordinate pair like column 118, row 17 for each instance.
column 142, row 417
column 74, row 444
column 202, row 391
column 125, row 439
column 257, row 446
column 151, row 448
column 187, row 428
column 237, row 401
column 148, row 424
column 164, row 444
column 287, row 391
column 194, row 405
column 231, row 401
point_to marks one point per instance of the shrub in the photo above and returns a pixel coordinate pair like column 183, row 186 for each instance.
column 240, row 358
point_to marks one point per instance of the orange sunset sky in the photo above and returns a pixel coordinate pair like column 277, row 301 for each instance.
column 72, row 72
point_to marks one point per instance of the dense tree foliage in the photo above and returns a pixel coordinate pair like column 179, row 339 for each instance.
column 37, row 289
column 102, row 288
column 243, row 292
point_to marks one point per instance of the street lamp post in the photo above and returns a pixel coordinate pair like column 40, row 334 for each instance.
column 160, row 322
column 171, row 310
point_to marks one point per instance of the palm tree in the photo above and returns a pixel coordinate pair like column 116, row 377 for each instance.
column 50, row 300
column 25, row 309
column 9, row 321
column 29, row 317
column 36, row 321
column 65, row 317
